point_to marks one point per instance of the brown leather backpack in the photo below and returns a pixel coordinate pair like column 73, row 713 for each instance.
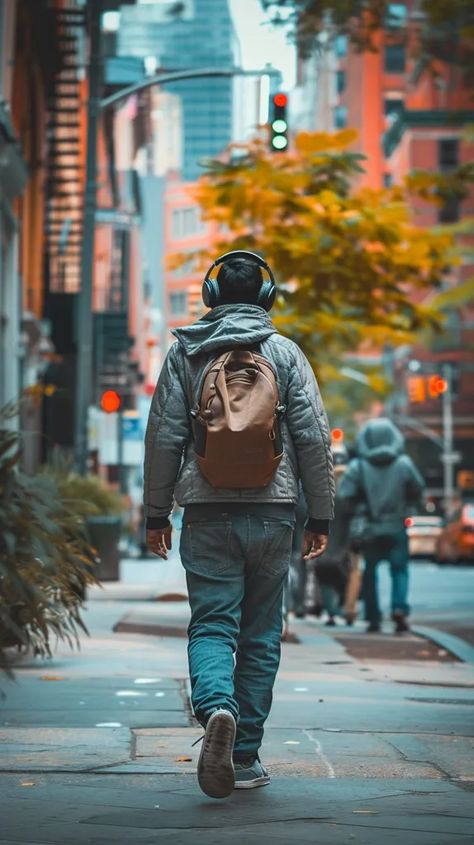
column 236, row 426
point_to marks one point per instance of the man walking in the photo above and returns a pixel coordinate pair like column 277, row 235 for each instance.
column 381, row 485
column 235, row 422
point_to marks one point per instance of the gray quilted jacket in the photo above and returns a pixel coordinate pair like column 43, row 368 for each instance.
column 171, row 469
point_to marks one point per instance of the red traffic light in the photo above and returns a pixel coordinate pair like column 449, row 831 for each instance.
column 337, row 435
column 280, row 99
column 110, row 402
column 436, row 386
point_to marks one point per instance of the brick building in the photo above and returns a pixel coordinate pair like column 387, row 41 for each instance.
column 408, row 117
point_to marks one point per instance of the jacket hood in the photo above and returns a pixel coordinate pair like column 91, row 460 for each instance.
column 380, row 441
column 238, row 325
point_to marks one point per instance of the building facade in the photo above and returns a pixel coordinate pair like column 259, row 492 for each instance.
column 192, row 34
column 408, row 118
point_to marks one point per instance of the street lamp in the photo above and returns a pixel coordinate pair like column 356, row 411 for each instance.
column 95, row 105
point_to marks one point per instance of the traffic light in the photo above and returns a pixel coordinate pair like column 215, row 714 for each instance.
column 337, row 436
column 278, row 122
column 437, row 385
column 110, row 401
column 416, row 389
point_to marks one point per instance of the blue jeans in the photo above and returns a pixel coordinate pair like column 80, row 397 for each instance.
column 395, row 550
column 236, row 566
column 330, row 599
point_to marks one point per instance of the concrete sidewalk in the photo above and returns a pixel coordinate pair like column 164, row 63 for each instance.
column 96, row 746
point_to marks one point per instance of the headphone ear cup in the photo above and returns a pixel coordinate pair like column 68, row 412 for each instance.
column 210, row 293
column 266, row 294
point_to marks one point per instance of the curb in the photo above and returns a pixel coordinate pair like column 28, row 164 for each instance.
column 462, row 650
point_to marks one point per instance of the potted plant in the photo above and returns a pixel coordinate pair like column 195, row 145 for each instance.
column 101, row 509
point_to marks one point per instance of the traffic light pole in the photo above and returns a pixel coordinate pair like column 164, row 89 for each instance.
column 448, row 455
column 84, row 316
column 95, row 105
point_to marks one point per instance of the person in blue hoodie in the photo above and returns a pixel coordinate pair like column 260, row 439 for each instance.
column 235, row 543
column 380, row 488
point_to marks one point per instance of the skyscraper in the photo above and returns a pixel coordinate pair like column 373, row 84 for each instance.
column 189, row 34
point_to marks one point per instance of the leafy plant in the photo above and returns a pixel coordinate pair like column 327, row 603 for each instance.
column 87, row 494
column 45, row 557
column 440, row 30
column 354, row 270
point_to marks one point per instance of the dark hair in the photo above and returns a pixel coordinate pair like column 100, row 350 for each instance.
column 239, row 280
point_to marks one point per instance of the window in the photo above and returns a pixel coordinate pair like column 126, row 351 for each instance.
column 186, row 221
column 340, row 46
column 387, row 180
column 392, row 106
column 449, row 212
column 396, row 15
column 340, row 117
column 179, row 303
column 448, row 153
column 341, row 81
column 394, row 58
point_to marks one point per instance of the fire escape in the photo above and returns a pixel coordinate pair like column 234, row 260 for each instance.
column 65, row 164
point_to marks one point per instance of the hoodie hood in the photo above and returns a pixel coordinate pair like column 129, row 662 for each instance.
column 380, row 441
column 237, row 325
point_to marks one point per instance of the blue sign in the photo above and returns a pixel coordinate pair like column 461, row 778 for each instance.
column 131, row 429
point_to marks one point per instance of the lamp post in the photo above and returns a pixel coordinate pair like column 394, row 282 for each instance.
column 95, row 105
column 84, row 314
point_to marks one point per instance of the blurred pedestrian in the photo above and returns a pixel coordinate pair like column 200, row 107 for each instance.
column 298, row 568
column 332, row 568
column 380, row 488
column 235, row 423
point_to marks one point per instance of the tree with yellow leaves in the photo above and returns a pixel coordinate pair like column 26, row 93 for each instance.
column 354, row 271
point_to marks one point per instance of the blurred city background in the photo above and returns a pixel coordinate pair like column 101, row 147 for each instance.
column 140, row 139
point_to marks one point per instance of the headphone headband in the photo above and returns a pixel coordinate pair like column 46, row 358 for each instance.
column 210, row 289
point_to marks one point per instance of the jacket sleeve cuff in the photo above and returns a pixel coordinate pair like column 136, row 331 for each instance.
column 317, row 526
column 157, row 522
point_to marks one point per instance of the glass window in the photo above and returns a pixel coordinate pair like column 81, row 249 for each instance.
column 340, row 46
column 176, row 223
column 340, row 117
column 392, row 106
column 449, row 212
column 179, row 303
column 186, row 221
column 387, row 180
column 396, row 15
column 341, row 81
column 394, row 58
column 448, row 153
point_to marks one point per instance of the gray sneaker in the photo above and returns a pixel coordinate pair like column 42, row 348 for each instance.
column 215, row 768
column 250, row 775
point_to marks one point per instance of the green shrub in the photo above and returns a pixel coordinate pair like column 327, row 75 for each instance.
column 45, row 557
column 88, row 495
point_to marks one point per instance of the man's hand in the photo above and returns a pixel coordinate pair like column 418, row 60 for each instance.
column 313, row 545
column 158, row 541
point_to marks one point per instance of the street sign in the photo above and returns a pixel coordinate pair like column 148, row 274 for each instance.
column 105, row 433
column 451, row 457
column 131, row 428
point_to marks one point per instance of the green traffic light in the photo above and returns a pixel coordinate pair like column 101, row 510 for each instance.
column 279, row 142
column 279, row 126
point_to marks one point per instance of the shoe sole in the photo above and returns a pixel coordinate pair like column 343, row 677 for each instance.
column 252, row 784
column 215, row 771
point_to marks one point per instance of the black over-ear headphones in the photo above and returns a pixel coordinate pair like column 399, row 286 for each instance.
column 211, row 294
